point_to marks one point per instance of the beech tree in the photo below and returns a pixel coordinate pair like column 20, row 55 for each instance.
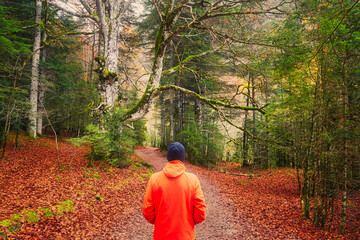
column 109, row 17
column 183, row 19
column 34, row 89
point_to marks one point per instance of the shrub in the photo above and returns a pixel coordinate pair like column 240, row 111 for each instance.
column 113, row 140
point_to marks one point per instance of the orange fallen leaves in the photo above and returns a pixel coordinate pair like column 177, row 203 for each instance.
column 30, row 179
column 268, row 207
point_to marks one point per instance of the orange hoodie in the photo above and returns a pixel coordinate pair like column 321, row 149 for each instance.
column 174, row 202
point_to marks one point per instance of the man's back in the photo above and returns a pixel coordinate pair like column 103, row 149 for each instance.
column 174, row 202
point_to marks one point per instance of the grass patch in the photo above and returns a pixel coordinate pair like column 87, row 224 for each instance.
column 10, row 225
column 47, row 212
column 97, row 176
column 32, row 216
column 13, row 224
column 65, row 206
column 5, row 223
column 140, row 178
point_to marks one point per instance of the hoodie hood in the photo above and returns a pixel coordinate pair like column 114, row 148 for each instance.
column 174, row 169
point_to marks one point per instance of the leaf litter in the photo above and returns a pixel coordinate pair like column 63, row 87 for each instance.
column 102, row 202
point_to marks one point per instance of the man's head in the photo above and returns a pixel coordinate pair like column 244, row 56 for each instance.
column 176, row 151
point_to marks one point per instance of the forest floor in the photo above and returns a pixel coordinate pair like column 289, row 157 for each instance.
column 46, row 195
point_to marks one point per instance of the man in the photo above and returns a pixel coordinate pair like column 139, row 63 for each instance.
column 174, row 201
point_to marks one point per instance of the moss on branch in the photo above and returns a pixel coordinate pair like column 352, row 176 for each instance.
column 141, row 103
column 152, row 92
column 209, row 100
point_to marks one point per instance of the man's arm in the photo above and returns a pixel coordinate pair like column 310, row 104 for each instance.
column 149, row 206
column 199, row 204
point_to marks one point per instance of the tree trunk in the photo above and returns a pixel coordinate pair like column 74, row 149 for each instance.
column 109, row 87
column 171, row 116
column 245, row 136
column 198, row 112
column 254, row 114
column 162, row 122
column 109, row 12
column 41, row 95
column 344, row 192
column 344, row 118
column 181, row 107
column 34, row 87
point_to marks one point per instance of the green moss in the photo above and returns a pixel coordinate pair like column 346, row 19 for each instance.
column 16, row 217
column 144, row 98
column 159, row 38
column 97, row 176
column 32, row 216
column 100, row 58
column 140, row 178
column 47, row 212
column 65, row 206
column 5, row 223
column 107, row 74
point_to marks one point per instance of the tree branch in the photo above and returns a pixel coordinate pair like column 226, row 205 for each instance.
column 186, row 60
column 205, row 99
column 75, row 14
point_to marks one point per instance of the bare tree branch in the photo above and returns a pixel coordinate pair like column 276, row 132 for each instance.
column 73, row 13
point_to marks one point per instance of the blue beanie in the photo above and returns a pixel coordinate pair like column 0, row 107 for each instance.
column 176, row 151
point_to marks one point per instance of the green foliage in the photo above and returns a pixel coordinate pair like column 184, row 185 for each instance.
column 145, row 164
column 12, row 44
column 120, row 145
column 97, row 176
column 70, row 94
column 32, row 216
column 5, row 223
column 96, row 138
column 65, row 206
column 114, row 141
column 312, row 120
column 47, row 212
column 203, row 147
column 14, row 49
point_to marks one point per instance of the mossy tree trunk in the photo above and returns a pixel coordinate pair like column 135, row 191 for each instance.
column 108, row 13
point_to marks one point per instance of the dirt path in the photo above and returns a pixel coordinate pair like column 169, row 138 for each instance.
column 218, row 224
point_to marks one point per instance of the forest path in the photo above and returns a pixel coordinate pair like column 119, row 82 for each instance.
column 218, row 224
